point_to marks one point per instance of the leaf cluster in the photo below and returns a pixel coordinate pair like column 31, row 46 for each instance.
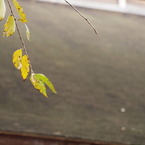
column 20, row 57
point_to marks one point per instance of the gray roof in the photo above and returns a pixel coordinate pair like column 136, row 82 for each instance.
column 95, row 77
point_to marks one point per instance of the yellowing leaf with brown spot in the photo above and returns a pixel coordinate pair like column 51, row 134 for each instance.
column 17, row 57
column 2, row 9
column 20, row 11
column 25, row 67
column 9, row 27
column 38, row 84
column 27, row 32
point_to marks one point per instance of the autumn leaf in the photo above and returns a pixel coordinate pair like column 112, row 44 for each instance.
column 38, row 84
column 39, row 81
column 20, row 11
column 2, row 9
column 27, row 32
column 46, row 81
column 17, row 57
column 9, row 27
column 25, row 67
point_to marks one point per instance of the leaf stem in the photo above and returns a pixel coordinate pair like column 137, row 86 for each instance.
column 82, row 16
column 19, row 33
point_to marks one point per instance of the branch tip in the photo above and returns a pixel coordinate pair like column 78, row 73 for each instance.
column 91, row 25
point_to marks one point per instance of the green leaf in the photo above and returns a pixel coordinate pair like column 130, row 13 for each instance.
column 46, row 81
column 39, row 81
column 39, row 85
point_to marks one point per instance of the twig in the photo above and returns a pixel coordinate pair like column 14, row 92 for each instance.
column 19, row 33
column 82, row 16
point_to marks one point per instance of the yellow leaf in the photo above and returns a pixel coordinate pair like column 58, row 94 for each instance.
column 27, row 32
column 20, row 11
column 2, row 9
column 9, row 27
column 25, row 67
column 17, row 57
column 39, row 85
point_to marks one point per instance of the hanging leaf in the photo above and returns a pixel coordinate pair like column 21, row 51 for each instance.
column 39, row 81
column 20, row 11
column 25, row 67
column 39, row 85
column 17, row 57
column 2, row 9
column 46, row 81
column 27, row 32
column 9, row 27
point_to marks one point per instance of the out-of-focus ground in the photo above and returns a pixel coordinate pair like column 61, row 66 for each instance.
column 136, row 7
column 95, row 76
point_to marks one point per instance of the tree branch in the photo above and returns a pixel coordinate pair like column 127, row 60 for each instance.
column 91, row 25
column 19, row 33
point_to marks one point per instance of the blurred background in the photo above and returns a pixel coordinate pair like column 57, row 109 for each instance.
column 100, row 80
column 125, row 6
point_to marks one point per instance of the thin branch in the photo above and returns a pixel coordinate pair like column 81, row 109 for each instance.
column 19, row 33
column 82, row 16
